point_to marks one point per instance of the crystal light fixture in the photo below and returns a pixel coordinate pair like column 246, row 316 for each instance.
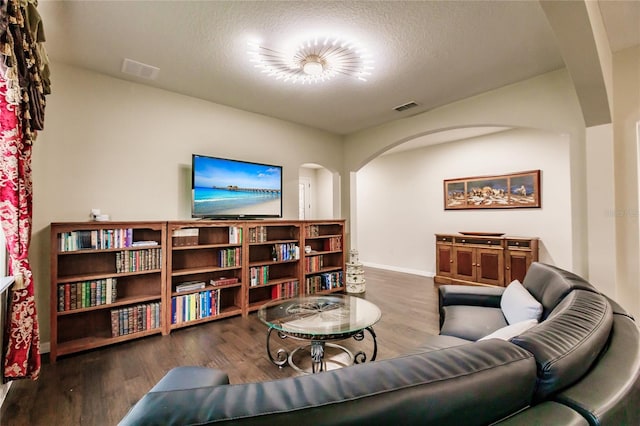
column 315, row 60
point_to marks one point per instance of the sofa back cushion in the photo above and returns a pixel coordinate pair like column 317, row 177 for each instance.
column 474, row 384
column 549, row 285
column 567, row 343
column 610, row 393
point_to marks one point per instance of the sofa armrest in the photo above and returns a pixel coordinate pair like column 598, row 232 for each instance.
column 181, row 378
column 470, row 295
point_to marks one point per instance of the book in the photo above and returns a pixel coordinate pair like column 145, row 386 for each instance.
column 144, row 243
column 189, row 286
column 223, row 281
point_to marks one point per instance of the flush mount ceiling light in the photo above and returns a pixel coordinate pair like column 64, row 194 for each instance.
column 317, row 59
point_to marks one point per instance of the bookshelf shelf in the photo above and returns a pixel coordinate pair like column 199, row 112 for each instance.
column 204, row 251
column 87, row 288
column 325, row 261
column 89, row 277
column 96, row 341
column 192, row 271
column 121, row 302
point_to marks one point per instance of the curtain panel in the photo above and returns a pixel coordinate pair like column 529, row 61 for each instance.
column 24, row 82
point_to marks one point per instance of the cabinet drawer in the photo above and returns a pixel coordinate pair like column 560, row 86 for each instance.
column 478, row 241
column 444, row 239
column 524, row 244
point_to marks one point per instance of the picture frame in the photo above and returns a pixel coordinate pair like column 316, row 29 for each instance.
column 513, row 190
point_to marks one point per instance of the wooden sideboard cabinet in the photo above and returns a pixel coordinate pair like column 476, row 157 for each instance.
column 483, row 260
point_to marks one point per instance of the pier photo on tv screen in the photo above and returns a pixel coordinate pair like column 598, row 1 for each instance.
column 225, row 188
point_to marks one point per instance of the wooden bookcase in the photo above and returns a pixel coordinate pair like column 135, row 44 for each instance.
column 104, row 289
column 212, row 254
column 483, row 260
column 274, row 256
column 233, row 267
column 324, row 256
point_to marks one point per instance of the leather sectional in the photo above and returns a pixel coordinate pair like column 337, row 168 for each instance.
column 579, row 366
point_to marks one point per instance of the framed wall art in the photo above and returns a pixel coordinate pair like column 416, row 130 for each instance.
column 509, row 191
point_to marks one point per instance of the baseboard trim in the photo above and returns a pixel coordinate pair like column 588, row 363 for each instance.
column 398, row 269
column 45, row 347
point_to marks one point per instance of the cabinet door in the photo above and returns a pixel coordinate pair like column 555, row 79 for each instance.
column 464, row 263
column 444, row 260
column 518, row 262
column 490, row 264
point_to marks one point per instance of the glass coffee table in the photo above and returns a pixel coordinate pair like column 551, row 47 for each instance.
column 319, row 320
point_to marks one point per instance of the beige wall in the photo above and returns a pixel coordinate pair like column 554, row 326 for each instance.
column 626, row 115
column 126, row 148
column 400, row 198
column 547, row 103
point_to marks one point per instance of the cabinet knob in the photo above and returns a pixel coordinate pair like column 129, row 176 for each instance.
column 451, row 261
column 508, row 268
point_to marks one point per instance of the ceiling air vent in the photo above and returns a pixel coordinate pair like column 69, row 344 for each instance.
column 406, row 106
column 138, row 69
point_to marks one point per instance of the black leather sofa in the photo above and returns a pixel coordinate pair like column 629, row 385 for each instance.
column 579, row 366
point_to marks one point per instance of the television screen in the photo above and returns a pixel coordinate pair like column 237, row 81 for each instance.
column 224, row 188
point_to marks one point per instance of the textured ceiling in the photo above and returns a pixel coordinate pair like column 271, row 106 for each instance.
column 430, row 52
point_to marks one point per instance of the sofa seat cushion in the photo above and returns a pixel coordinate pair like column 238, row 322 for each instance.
column 518, row 304
column 471, row 322
column 610, row 393
column 512, row 330
column 188, row 377
column 546, row 413
column 437, row 342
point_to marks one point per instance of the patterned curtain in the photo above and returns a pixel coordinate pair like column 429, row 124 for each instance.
column 24, row 82
column 22, row 357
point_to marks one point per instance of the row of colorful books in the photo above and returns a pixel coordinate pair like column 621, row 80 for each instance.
column 133, row 319
column 258, row 234
column 230, row 257
column 235, row 235
column 285, row 290
column 311, row 231
column 194, row 306
column 97, row 239
column 326, row 281
column 313, row 263
column 258, row 275
column 285, row 251
column 333, row 244
column 139, row 260
column 86, row 294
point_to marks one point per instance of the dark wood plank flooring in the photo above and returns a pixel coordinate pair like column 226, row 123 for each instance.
column 98, row 387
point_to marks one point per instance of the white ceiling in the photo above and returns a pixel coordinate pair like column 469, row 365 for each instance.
column 430, row 52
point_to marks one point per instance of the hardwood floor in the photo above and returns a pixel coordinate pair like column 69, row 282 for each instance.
column 98, row 387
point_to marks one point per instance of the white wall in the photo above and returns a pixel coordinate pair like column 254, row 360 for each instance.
column 547, row 102
column 626, row 115
column 322, row 192
column 126, row 148
column 400, row 198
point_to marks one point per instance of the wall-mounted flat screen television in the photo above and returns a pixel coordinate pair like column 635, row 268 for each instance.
column 223, row 188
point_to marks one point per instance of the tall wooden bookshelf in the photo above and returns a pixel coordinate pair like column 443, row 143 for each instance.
column 211, row 254
column 107, row 283
column 273, row 270
column 170, row 275
column 324, row 257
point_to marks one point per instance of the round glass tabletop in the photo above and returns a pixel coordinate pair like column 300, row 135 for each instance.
column 320, row 316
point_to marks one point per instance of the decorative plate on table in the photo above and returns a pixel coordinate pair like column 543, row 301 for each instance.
column 483, row 234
